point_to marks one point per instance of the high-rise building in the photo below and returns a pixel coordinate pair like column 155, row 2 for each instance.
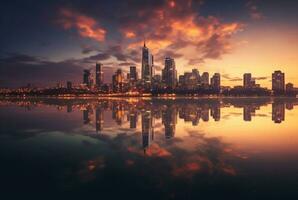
column 278, row 82
column 215, row 81
column 205, row 79
column 69, row 85
column 118, row 81
column 169, row 119
column 87, row 78
column 169, row 73
column 133, row 74
column 147, row 65
column 289, row 87
column 196, row 73
column 247, row 80
column 98, row 75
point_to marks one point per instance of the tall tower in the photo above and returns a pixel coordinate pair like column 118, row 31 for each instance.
column 215, row 81
column 278, row 82
column 169, row 73
column 205, row 78
column 87, row 78
column 133, row 75
column 247, row 80
column 98, row 75
column 147, row 65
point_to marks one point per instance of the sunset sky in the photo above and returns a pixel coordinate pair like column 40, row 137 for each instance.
column 45, row 42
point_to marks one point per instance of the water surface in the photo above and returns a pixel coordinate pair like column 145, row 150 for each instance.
column 237, row 148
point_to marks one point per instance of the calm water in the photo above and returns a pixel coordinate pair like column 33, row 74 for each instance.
column 242, row 148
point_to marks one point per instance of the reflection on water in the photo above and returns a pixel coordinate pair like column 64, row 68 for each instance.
column 171, row 148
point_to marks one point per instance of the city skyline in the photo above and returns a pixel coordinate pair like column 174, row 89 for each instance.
column 227, row 37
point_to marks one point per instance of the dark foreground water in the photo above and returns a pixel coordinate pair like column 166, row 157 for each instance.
column 245, row 148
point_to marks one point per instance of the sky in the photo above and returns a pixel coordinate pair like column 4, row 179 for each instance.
column 45, row 42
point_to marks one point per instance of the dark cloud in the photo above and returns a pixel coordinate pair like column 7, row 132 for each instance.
column 254, row 11
column 18, row 58
column 126, row 64
column 229, row 78
column 167, row 53
column 20, row 69
column 261, row 78
column 97, row 57
column 86, row 49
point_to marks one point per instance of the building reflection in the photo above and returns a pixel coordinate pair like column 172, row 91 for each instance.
column 248, row 111
column 147, row 129
column 169, row 119
column 215, row 112
column 99, row 120
column 278, row 111
column 126, row 113
column 87, row 112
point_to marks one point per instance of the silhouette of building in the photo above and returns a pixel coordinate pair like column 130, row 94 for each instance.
column 289, row 87
column 133, row 118
column 196, row 73
column 118, row 112
column 278, row 112
column 87, row 78
column 169, row 73
column 248, row 111
column 69, row 85
column 86, row 115
column 205, row 113
column 205, row 79
column 215, row 112
column 118, row 81
column 99, row 120
column 169, row 119
column 147, row 65
column 147, row 129
column 278, row 82
column 215, row 82
column 247, row 80
column 190, row 80
column 98, row 75
column 133, row 74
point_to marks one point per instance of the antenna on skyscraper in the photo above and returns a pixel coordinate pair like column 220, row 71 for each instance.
column 144, row 41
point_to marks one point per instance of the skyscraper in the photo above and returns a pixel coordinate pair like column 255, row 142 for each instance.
column 169, row 73
column 196, row 73
column 98, row 75
column 69, row 85
column 215, row 81
column 278, row 82
column 133, row 74
column 87, row 78
column 147, row 65
column 118, row 81
column 205, row 79
column 247, row 80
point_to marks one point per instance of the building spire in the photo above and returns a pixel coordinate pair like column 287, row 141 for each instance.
column 144, row 42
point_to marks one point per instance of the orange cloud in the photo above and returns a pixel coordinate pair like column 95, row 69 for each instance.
column 129, row 34
column 174, row 29
column 86, row 26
